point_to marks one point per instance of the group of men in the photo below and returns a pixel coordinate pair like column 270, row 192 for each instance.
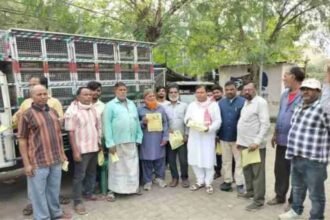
column 139, row 143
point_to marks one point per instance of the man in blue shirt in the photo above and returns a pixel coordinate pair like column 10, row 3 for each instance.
column 230, row 107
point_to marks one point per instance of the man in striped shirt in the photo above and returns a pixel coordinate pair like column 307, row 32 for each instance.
column 84, row 126
column 309, row 148
column 41, row 147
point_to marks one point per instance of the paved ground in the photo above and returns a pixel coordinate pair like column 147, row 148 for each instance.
column 160, row 204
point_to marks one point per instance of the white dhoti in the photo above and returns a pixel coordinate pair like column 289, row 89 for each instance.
column 123, row 176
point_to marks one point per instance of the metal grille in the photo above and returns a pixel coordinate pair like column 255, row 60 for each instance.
column 56, row 49
column 84, row 50
column 126, row 53
column 105, row 52
column 144, row 72
column 2, row 45
column 143, row 54
column 26, row 93
column 1, row 101
column 64, row 94
column 86, row 71
column 107, row 93
column 131, row 92
column 6, row 68
column 59, row 71
column 28, row 47
column 127, row 72
column 144, row 87
column 107, row 71
column 13, row 96
column 29, row 69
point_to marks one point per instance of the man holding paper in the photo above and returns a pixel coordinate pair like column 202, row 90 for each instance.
column 122, row 132
column 204, row 119
column 154, row 125
column 178, row 138
column 252, row 130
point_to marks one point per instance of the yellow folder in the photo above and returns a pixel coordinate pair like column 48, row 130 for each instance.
column 154, row 122
column 250, row 157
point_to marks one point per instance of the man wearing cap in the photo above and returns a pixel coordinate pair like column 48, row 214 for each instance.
column 290, row 99
column 308, row 148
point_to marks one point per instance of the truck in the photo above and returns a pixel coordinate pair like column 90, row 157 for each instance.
column 68, row 61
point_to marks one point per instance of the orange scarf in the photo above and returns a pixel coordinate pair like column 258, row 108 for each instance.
column 151, row 105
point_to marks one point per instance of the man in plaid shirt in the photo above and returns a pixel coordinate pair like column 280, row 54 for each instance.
column 309, row 148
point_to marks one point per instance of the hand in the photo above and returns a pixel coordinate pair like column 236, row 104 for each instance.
column 100, row 147
column 112, row 150
column 29, row 170
column 77, row 157
column 273, row 141
column 145, row 120
column 217, row 139
column 253, row 147
column 163, row 143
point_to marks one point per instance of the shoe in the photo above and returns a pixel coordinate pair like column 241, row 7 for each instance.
column 240, row 189
column 216, row 175
column 291, row 214
column 275, row 201
column 253, row 207
column 174, row 183
column 80, row 209
column 226, row 187
column 161, row 183
column 209, row 189
column 147, row 186
column 245, row 195
column 65, row 216
column 185, row 183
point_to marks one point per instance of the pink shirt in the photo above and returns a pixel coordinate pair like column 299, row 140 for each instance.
column 86, row 124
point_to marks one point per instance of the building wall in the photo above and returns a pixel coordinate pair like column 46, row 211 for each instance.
column 275, row 87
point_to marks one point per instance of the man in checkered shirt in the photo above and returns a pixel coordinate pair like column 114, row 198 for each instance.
column 309, row 148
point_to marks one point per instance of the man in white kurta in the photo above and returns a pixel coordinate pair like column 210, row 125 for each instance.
column 201, row 142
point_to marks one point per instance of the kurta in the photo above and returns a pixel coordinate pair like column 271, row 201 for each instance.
column 150, row 148
column 201, row 145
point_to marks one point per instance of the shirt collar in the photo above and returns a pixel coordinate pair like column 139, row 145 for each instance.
column 118, row 101
column 40, row 108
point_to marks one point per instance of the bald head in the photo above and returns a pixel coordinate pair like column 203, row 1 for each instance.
column 39, row 94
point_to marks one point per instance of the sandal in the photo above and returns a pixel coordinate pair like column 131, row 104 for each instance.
column 91, row 197
column 28, row 210
column 196, row 186
column 64, row 216
column 209, row 189
column 64, row 200
column 110, row 197
column 80, row 209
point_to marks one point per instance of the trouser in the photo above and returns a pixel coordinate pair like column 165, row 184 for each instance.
column 229, row 150
column 308, row 174
column 150, row 166
column 44, row 190
column 255, row 182
column 183, row 160
column 218, row 167
column 203, row 175
column 84, row 176
column 282, row 174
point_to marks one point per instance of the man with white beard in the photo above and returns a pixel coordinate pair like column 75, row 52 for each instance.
column 178, row 110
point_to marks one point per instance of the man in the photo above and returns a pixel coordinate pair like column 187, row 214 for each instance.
column 231, row 107
column 178, row 110
column 289, row 101
column 41, row 147
column 201, row 141
column 84, row 126
column 96, row 89
column 26, row 104
column 122, row 133
column 217, row 92
column 308, row 148
column 252, row 130
column 152, row 149
column 161, row 95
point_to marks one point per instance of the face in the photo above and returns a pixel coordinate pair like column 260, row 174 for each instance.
column 96, row 94
column 209, row 94
column 230, row 91
column 150, row 97
column 201, row 94
column 173, row 94
column 217, row 94
column 121, row 92
column 34, row 81
column 39, row 95
column 85, row 96
column 310, row 95
column 161, row 93
column 249, row 91
column 288, row 80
